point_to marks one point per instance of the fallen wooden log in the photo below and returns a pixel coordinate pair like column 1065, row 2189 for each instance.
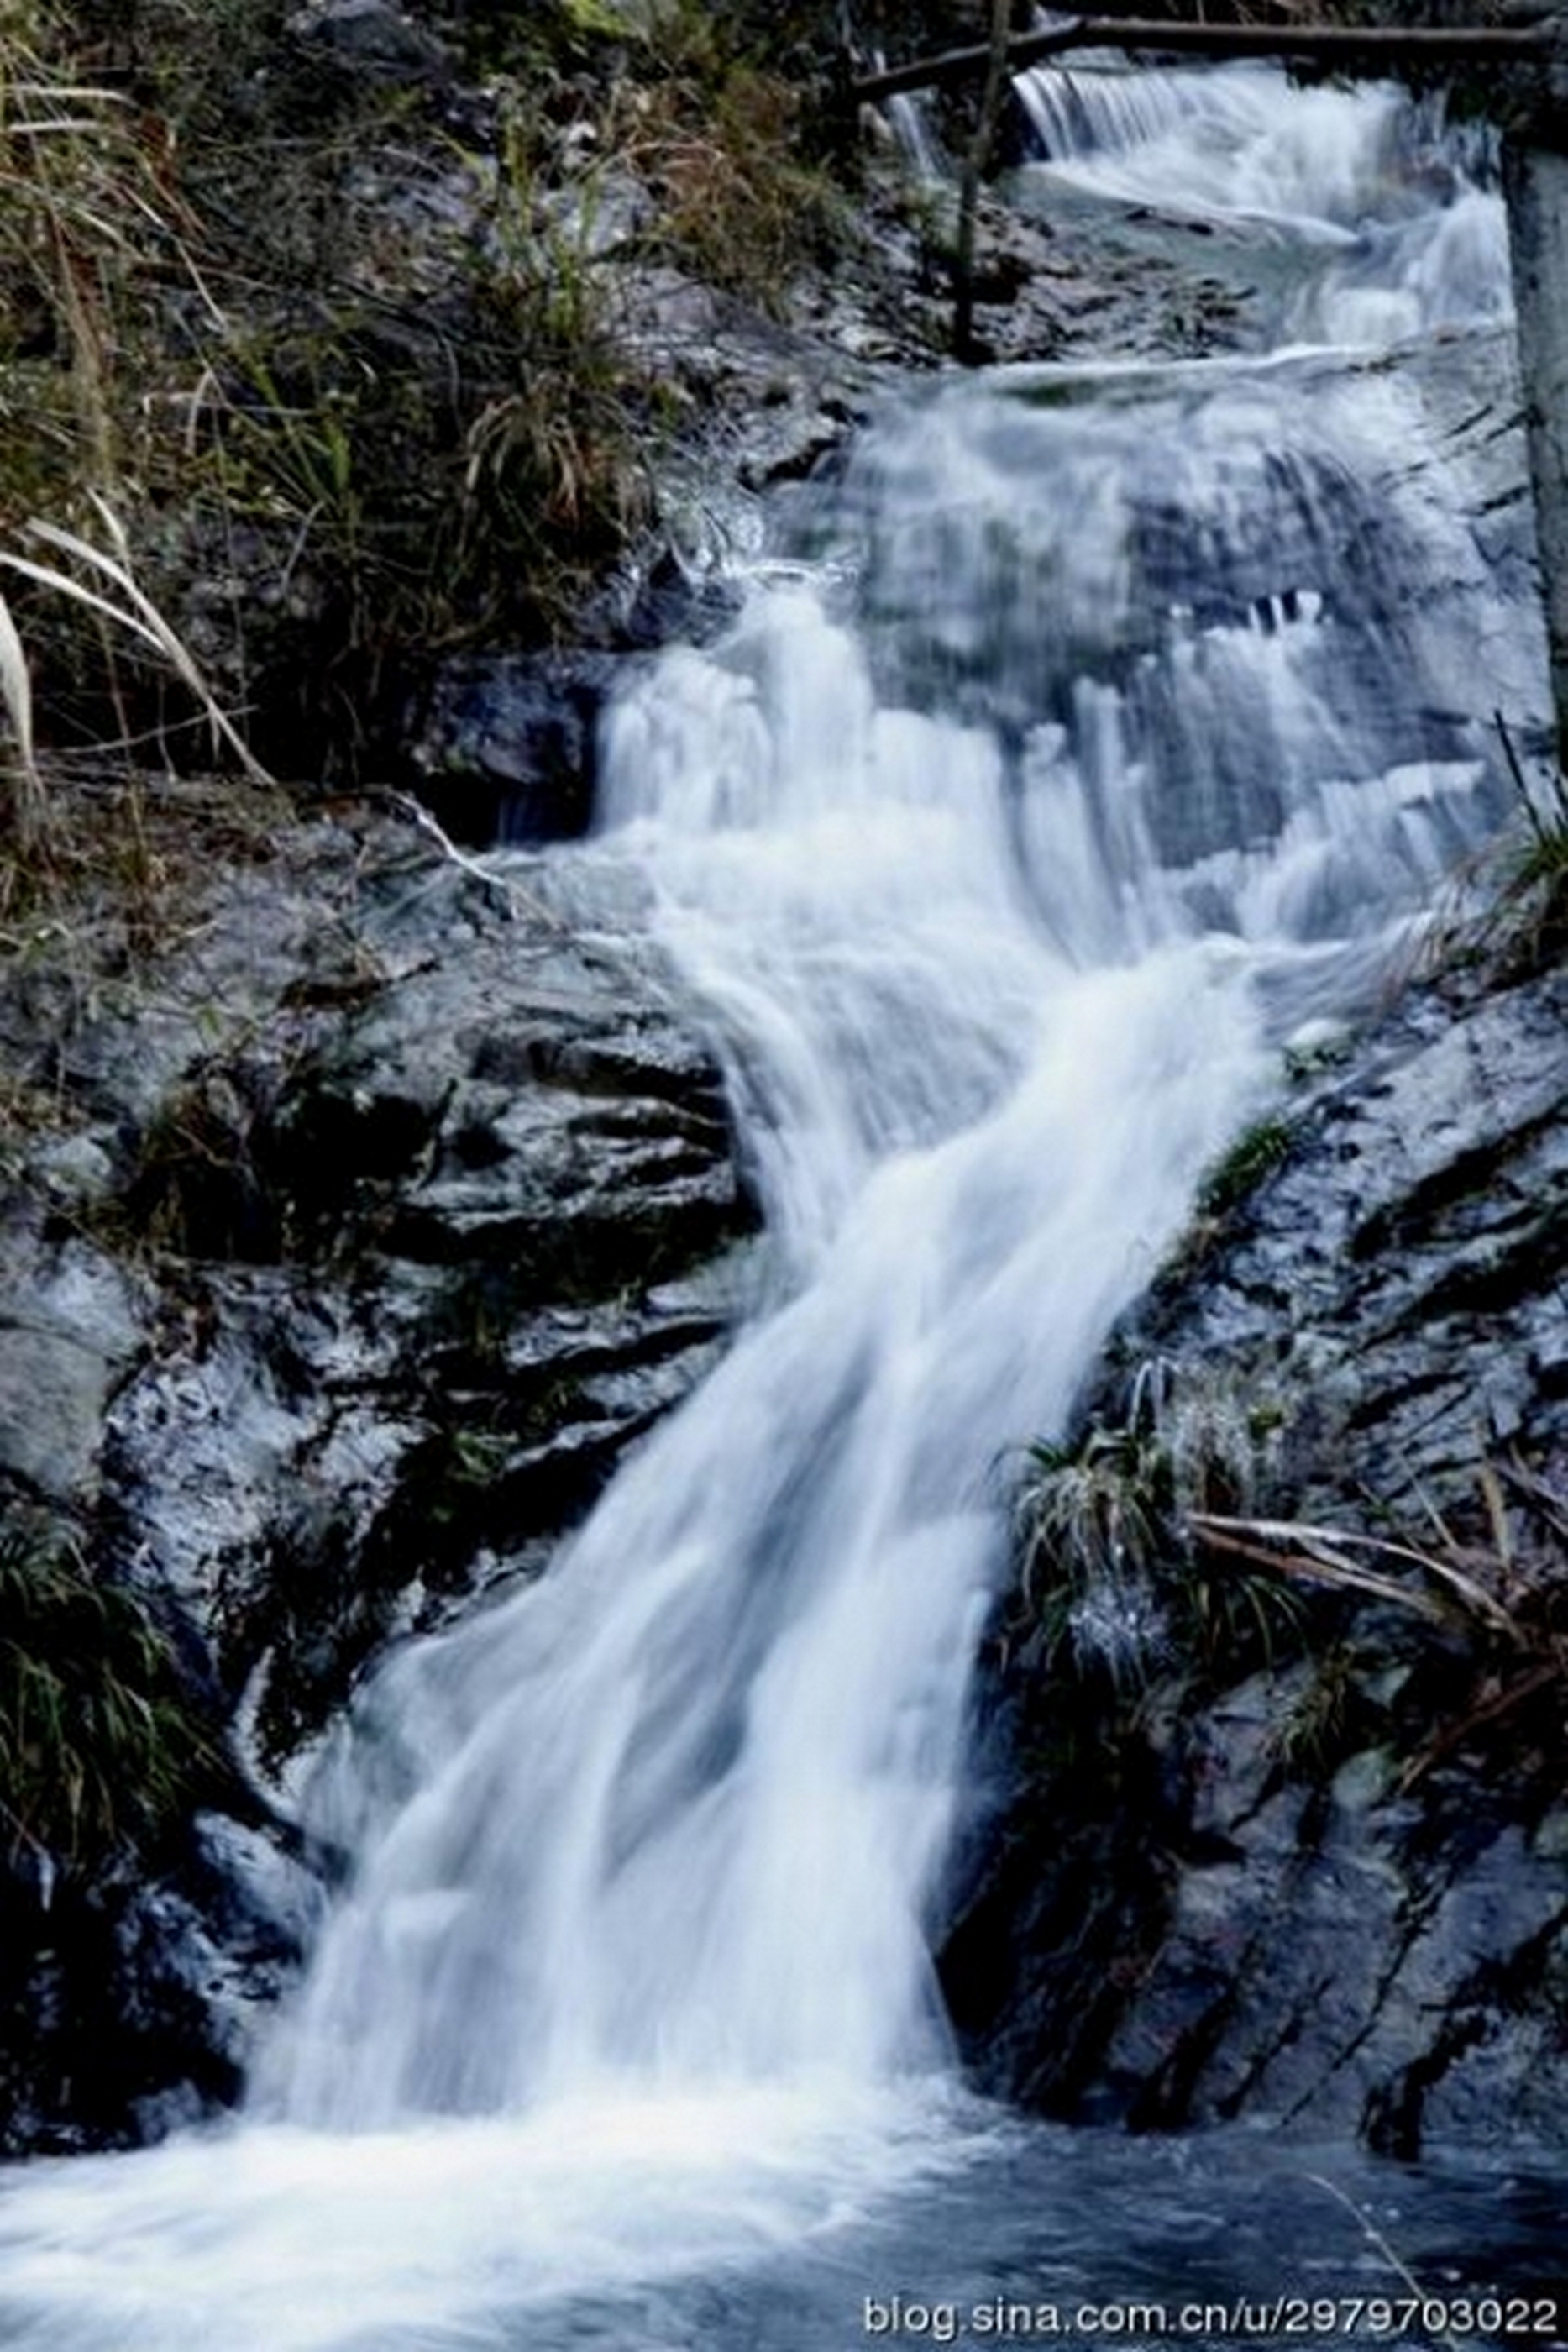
column 1388, row 44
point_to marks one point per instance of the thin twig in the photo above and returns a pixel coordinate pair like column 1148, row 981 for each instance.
column 1533, row 817
column 1491, row 1710
column 1376, row 2238
column 510, row 895
column 1301, row 1561
column 1328, row 1545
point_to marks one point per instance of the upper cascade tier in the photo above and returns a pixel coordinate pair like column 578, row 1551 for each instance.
column 1393, row 218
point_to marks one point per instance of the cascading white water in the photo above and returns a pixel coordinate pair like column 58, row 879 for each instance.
column 990, row 1013
column 1408, row 238
column 694, row 1787
column 1097, row 731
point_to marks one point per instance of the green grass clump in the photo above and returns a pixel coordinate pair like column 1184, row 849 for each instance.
column 100, row 1747
column 1115, row 1576
column 1236, row 1175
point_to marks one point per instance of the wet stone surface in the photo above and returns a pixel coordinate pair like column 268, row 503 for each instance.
column 409, row 1211
column 1330, row 1893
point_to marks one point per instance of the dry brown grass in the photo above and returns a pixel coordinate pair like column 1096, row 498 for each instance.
column 1494, row 1579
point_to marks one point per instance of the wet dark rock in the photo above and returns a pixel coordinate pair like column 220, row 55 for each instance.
column 406, row 1213
column 70, row 1331
column 1326, row 1888
column 68, row 2083
column 673, row 601
column 508, row 748
column 478, row 1174
column 370, row 37
column 1415, row 1229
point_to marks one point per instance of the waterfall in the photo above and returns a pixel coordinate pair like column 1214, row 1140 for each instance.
column 685, row 1821
column 992, row 997
column 1407, row 233
column 1096, row 728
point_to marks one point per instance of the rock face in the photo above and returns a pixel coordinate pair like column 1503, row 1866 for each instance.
column 1301, row 1853
column 387, row 1215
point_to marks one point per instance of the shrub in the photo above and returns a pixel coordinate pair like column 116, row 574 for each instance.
column 342, row 354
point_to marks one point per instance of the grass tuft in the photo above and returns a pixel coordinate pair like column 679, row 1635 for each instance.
column 26, row 809
column 1117, row 1575
column 1250, row 1160
column 100, row 1747
column 135, row 613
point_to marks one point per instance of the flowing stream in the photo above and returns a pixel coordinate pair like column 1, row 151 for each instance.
column 1090, row 733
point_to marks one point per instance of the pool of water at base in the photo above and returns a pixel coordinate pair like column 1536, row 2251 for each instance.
column 1054, row 2235
column 739, row 2224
